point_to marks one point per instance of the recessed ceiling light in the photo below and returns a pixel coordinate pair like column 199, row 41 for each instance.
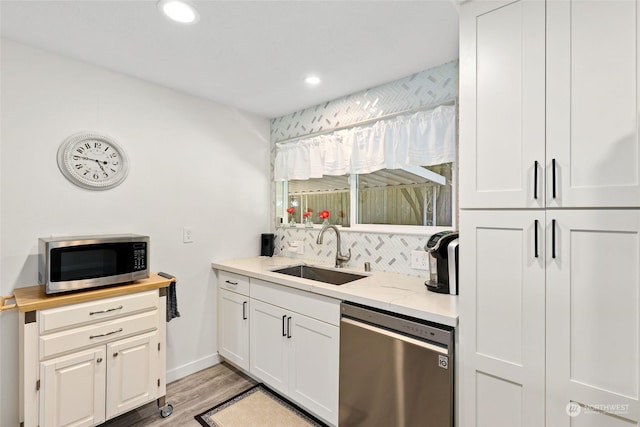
column 312, row 80
column 179, row 11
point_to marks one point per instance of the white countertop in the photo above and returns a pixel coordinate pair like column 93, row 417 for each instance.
column 394, row 292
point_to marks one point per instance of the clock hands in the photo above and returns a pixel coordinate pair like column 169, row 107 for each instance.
column 93, row 160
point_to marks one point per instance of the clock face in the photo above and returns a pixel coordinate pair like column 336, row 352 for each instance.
column 92, row 161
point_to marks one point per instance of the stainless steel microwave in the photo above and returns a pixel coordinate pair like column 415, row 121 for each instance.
column 82, row 262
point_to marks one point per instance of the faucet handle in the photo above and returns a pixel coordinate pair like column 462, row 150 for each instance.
column 344, row 258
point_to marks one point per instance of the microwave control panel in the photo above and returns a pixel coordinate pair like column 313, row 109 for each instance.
column 140, row 256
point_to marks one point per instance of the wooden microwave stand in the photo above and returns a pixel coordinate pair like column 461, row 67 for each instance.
column 86, row 357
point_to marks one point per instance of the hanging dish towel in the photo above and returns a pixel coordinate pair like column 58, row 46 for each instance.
column 172, row 297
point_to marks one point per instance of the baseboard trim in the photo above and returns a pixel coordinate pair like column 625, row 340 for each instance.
column 192, row 367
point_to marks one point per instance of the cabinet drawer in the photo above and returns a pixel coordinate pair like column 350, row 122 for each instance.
column 96, row 311
column 311, row 305
column 233, row 282
column 95, row 334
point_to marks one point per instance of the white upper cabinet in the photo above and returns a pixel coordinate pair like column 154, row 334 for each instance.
column 549, row 123
column 592, row 103
column 502, row 104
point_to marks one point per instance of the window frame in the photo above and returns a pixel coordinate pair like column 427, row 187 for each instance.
column 375, row 228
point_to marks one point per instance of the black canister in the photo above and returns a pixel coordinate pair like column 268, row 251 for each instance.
column 267, row 244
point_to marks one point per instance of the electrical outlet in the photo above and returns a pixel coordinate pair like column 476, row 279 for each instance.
column 297, row 247
column 420, row 260
column 187, row 235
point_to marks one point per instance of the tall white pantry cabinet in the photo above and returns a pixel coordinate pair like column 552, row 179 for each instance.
column 550, row 213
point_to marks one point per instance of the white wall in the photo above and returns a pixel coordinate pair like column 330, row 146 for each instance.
column 193, row 162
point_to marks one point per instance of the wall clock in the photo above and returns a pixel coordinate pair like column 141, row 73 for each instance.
column 93, row 161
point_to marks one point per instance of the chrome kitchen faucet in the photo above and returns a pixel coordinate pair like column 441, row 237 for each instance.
column 340, row 259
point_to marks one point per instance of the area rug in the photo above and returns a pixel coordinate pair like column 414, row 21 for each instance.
column 257, row 406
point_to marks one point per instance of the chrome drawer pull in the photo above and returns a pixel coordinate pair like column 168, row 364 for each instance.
column 105, row 311
column 230, row 282
column 104, row 335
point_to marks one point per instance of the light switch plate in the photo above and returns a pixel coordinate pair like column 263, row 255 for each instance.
column 187, row 235
column 420, row 260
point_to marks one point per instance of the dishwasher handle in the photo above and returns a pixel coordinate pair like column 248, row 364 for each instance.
column 397, row 336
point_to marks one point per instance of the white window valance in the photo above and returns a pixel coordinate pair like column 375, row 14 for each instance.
column 425, row 138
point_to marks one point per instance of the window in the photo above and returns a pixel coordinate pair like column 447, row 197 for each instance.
column 394, row 172
column 406, row 196
column 330, row 193
column 420, row 196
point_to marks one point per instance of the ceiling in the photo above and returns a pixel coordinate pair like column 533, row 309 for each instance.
column 251, row 55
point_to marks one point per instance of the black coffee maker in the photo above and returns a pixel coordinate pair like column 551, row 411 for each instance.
column 443, row 262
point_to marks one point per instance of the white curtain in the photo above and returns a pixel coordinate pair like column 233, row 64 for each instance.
column 425, row 138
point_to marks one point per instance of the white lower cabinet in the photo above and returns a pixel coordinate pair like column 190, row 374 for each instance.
column 269, row 345
column 502, row 327
column 593, row 318
column 92, row 361
column 550, row 318
column 233, row 328
column 313, row 365
column 86, row 388
column 73, row 389
column 295, row 354
column 132, row 373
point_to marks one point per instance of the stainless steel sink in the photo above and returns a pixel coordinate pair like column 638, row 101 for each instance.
column 318, row 274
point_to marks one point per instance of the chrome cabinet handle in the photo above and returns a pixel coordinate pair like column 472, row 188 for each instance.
column 91, row 313
column 230, row 282
column 535, row 179
column 244, row 310
column 106, row 334
column 288, row 327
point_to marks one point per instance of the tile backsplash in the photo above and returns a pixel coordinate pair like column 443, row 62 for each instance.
column 384, row 251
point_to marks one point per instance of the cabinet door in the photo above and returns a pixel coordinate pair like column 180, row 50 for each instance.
column 502, row 315
column 233, row 327
column 592, row 103
column 502, row 104
column 268, row 354
column 313, row 365
column 72, row 390
column 132, row 373
column 593, row 326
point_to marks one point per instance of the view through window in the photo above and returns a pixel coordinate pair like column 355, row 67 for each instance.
column 418, row 196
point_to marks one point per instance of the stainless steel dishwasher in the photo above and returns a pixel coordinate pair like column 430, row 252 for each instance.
column 394, row 371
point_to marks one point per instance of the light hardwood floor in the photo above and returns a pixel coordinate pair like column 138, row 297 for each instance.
column 189, row 396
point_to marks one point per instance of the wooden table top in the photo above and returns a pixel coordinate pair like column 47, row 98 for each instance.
column 34, row 298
